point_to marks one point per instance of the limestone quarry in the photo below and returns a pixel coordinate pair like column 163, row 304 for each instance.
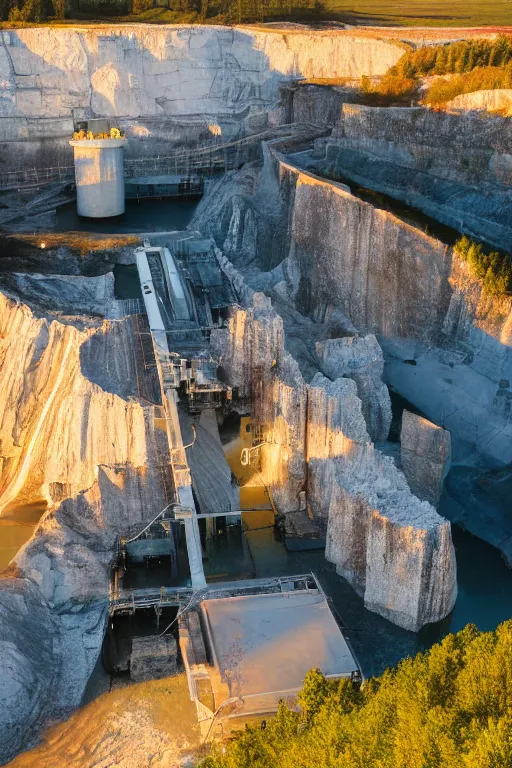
column 188, row 413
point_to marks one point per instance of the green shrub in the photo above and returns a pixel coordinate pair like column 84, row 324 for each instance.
column 31, row 10
column 139, row 6
column 479, row 79
column 59, row 8
column 474, row 65
column 448, row 708
column 391, row 89
column 493, row 269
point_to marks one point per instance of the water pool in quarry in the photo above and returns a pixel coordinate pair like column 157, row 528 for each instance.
column 146, row 215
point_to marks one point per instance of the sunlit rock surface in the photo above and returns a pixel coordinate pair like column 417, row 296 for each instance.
column 94, row 458
column 395, row 550
column 447, row 345
column 165, row 83
column 53, row 420
column 315, row 440
column 497, row 100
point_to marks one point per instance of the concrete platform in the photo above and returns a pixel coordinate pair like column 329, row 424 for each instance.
column 263, row 646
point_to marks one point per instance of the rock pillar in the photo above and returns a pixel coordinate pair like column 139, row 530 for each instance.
column 425, row 456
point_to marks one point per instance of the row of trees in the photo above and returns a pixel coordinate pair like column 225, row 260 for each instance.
column 191, row 11
column 454, row 58
column 463, row 67
column 492, row 268
column 448, row 708
column 31, row 10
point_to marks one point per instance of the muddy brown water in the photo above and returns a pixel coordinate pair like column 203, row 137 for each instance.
column 16, row 528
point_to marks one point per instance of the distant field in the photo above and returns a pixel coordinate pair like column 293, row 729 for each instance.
column 422, row 13
column 483, row 14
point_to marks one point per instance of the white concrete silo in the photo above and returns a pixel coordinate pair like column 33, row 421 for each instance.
column 99, row 177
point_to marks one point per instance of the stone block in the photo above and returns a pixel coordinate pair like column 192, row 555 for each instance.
column 425, row 456
column 29, row 102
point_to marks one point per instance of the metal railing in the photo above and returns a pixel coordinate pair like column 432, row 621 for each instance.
column 131, row 600
column 32, row 177
column 123, row 307
column 208, row 157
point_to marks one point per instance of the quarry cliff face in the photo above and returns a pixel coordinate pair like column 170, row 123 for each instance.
column 397, row 151
column 167, row 83
column 53, row 420
column 446, row 343
column 92, row 456
column 334, row 250
column 498, row 100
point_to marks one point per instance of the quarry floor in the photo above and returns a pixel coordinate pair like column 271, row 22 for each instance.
column 148, row 724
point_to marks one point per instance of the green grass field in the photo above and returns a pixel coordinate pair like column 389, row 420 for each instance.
column 381, row 13
column 423, row 13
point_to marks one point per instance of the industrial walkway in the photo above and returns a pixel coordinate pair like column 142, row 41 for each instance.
column 206, row 159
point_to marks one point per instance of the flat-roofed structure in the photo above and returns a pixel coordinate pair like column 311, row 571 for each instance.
column 259, row 647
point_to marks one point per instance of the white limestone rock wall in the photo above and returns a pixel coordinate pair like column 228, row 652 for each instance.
column 335, row 253
column 57, row 590
column 386, row 276
column 53, row 420
column 319, row 104
column 166, row 82
column 70, row 294
column 425, row 453
column 253, row 358
column 497, row 100
column 466, row 387
column 412, row 137
column 361, row 358
column 29, row 657
column 395, row 550
column 64, row 437
column 396, row 151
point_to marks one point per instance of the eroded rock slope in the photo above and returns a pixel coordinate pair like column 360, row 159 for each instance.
column 92, row 456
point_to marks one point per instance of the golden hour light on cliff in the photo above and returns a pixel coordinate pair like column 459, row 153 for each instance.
column 255, row 384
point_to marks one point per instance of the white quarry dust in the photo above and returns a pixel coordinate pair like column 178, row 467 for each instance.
column 149, row 725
